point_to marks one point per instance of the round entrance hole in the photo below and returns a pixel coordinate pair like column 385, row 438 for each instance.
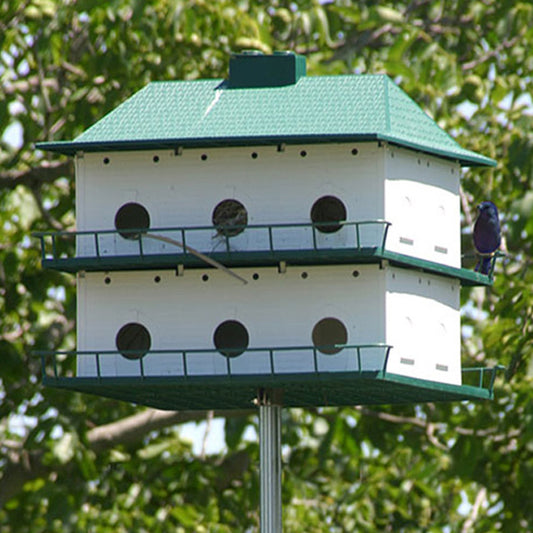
column 231, row 338
column 328, row 213
column 133, row 340
column 130, row 217
column 328, row 334
column 230, row 217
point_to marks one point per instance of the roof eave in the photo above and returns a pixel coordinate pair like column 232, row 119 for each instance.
column 73, row 147
column 70, row 148
column 465, row 158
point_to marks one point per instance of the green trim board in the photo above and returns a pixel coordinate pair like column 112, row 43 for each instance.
column 308, row 109
column 299, row 390
column 468, row 278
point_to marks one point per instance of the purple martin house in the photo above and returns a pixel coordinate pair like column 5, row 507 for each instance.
column 271, row 230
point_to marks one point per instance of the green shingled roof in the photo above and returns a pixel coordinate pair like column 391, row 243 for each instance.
column 313, row 109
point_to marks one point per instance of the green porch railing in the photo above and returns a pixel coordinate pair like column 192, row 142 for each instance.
column 366, row 382
column 257, row 245
column 481, row 377
column 364, row 358
column 275, row 355
column 271, row 238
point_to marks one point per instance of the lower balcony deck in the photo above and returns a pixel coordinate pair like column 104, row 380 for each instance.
column 358, row 384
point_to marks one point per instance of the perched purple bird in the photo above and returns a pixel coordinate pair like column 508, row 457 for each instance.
column 487, row 235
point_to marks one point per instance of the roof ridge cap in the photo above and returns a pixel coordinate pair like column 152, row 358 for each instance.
column 386, row 82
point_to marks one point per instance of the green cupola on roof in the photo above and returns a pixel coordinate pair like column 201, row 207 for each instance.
column 268, row 99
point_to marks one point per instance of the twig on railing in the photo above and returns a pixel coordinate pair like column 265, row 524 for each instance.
column 196, row 253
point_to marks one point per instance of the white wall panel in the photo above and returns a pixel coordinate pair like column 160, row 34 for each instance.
column 278, row 310
column 422, row 202
column 417, row 314
column 423, row 324
column 276, row 187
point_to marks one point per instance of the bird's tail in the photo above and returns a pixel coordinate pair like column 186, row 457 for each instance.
column 484, row 265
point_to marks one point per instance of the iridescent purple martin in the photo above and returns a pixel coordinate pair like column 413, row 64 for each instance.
column 487, row 235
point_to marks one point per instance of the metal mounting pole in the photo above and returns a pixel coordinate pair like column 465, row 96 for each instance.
column 269, row 402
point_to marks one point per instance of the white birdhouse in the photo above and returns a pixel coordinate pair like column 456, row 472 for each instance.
column 330, row 206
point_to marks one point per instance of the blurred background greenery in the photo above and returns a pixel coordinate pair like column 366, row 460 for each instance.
column 74, row 463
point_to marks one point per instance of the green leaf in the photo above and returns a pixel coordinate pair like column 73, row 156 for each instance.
column 65, row 448
column 389, row 14
column 234, row 429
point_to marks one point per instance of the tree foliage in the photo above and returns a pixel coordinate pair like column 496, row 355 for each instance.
column 76, row 463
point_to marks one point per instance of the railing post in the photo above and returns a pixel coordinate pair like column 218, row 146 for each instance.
column 96, row 244
column 270, row 239
column 385, row 231
column 184, row 357
column 183, row 241
column 386, row 362
column 55, row 366
column 98, row 370
column 141, row 249
column 493, row 376
column 271, row 356
column 228, row 364
column 141, row 363
column 54, row 247
column 43, row 247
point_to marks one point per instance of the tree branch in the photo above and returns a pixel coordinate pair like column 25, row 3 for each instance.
column 428, row 427
column 47, row 217
column 132, row 429
column 45, row 173
column 505, row 45
column 481, row 498
column 24, row 466
column 395, row 419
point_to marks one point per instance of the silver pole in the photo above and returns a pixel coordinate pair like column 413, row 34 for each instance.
column 270, row 460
